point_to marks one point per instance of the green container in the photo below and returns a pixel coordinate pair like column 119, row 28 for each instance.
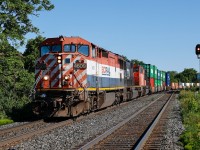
column 147, row 68
column 156, row 82
column 159, row 82
column 151, row 71
column 159, row 74
column 163, row 76
column 155, row 72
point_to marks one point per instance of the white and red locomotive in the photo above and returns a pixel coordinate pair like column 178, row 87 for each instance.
column 74, row 76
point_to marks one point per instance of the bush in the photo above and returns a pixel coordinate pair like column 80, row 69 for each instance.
column 190, row 109
column 5, row 121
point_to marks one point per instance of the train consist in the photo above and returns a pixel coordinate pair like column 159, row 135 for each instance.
column 74, row 76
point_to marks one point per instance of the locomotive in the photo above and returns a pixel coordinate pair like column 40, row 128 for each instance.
column 74, row 76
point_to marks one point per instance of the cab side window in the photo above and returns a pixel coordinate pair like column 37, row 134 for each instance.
column 93, row 52
column 83, row 49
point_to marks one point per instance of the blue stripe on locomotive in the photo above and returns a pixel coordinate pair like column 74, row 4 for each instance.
column 104, row 81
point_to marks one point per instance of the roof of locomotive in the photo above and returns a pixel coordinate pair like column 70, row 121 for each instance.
column 75, row 39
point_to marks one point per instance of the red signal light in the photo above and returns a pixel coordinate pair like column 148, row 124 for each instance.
column 197, row 49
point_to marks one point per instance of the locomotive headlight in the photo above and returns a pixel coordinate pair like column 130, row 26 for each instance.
column 43, row 95
column 59, row 61
column 46, row 77
column 67, row 77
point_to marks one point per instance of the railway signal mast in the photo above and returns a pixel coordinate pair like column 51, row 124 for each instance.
column 197, row 50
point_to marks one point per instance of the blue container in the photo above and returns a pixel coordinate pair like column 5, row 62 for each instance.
column 167, row 78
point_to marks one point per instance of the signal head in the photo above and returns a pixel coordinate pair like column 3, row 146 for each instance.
column 197, row 49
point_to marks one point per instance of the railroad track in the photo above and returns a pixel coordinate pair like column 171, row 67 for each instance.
column 15, row 135
column 156, row 137
column 129, row 133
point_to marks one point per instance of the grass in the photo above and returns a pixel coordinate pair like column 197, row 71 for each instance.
column 5, row 121
column 190, row 110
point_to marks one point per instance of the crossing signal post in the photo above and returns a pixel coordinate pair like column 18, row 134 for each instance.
column 197, row 50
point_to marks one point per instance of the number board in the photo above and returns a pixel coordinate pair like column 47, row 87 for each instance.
column 80, row 65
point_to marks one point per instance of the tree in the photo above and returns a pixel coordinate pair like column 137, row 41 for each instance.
column 188, row 75
column 15, row 22
column 32, row 53
column 135, row 61
column 15, row 81
column 173, row 76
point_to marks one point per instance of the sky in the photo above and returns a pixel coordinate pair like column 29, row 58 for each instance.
column 158, row 32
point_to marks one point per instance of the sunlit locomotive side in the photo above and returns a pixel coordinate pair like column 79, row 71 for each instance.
column 74, row 76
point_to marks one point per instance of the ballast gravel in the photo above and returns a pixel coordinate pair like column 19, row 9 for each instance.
column 174, row 128
column 12, row 125
column 78, row 132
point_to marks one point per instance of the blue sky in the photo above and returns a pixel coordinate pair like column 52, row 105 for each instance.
column 162, row 33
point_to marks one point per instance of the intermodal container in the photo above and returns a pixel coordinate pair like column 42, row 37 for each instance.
column 163, row 75
column 173, row 85
column 159, row 74
column 156, row 85
column 155, row 73
column 152, row 84
column 149, row 72
column 159, row 85
column 167, row 79
column 188, row 85
column 146, row 68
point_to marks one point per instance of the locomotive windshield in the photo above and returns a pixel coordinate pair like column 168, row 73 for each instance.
column 45, row 50
column 54, row 48
column 83, row 49
column 69, row 48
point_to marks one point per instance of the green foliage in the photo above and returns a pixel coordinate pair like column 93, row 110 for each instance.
column 32, row 53
column 5, row 121
column 190, row 108
column 15, row 81
column 186, row 76
column 15, row 21
column 137, row 62
column 173, row 76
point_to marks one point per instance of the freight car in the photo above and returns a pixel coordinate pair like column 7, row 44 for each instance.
column 74, row 76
